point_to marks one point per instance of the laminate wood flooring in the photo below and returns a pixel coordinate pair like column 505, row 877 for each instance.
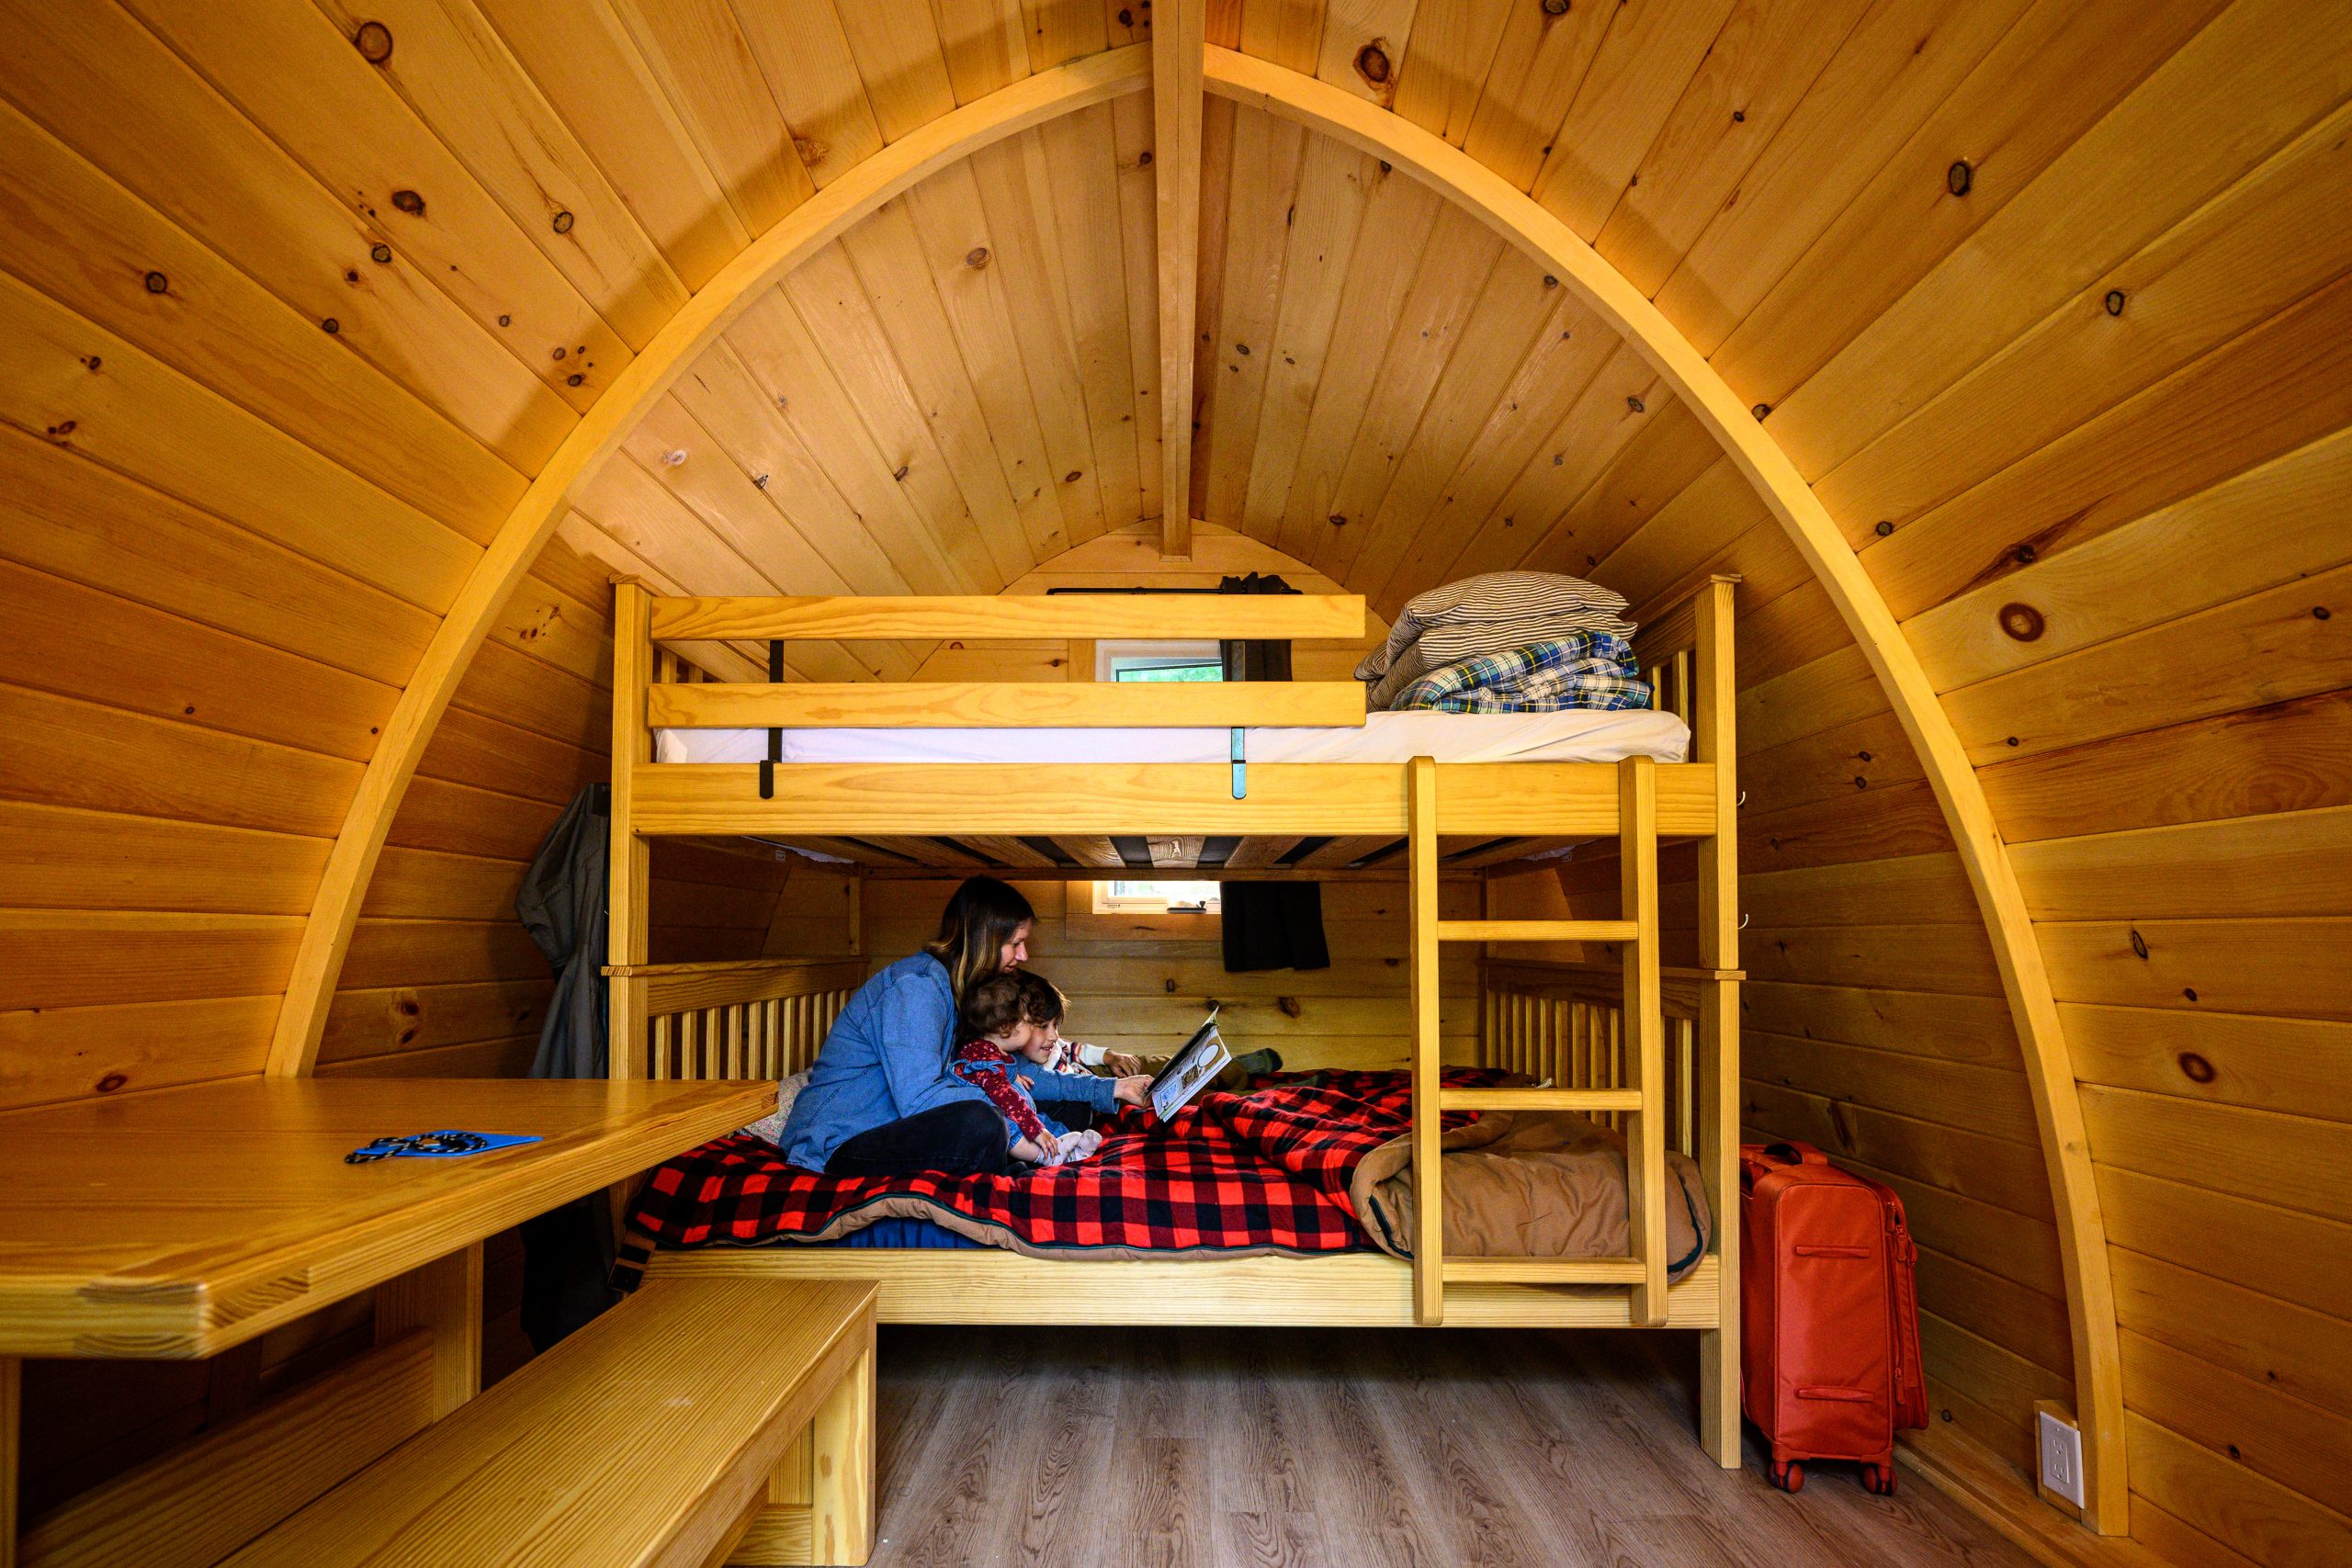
column 1335, row 1449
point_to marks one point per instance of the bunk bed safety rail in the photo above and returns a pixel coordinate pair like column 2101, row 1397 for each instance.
column 775, row 705
column 1564, row 1026
column 761, row 1018
column 1666, row 648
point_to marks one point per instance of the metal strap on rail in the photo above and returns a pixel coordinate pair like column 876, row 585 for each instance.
column 1241, row 764
column 775, row 736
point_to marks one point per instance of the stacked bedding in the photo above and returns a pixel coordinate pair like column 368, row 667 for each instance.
column 1508, row 642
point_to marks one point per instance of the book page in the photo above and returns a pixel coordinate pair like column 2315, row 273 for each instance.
column 1193, row 1067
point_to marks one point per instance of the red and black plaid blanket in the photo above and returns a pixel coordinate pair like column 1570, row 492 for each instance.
column 1266, row 1171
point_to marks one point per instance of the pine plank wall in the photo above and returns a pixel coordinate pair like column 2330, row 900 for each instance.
column 2049, row 299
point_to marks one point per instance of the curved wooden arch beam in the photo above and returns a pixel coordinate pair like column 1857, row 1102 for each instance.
column 815, row 223
column 2082, row 1235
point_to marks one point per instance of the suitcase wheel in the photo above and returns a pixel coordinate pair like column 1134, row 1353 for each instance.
column 1878, row 1479
column 1788, row 1474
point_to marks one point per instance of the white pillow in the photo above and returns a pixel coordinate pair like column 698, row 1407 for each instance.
column 770, row 1129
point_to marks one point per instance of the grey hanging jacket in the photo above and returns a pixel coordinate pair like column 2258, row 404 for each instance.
column 561, row 904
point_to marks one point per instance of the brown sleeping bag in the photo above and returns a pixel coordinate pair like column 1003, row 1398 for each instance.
column 1529, row 1184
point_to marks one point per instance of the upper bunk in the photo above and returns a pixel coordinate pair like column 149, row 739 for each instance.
column 1080, row 778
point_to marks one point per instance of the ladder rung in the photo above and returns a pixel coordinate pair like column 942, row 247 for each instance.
column 1543, row 1271
column 1538, row 931
column 1539, row 1100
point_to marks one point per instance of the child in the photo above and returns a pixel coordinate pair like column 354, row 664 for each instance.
column 1059, row 1071
column 1042, row 1003
column 1045, row 1004
column 1000, row 1034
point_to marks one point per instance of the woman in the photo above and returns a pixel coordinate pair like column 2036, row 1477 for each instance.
column 881, row 1099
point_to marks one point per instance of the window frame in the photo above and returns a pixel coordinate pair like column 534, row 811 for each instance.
column 1108, row 900
column 1110, row 657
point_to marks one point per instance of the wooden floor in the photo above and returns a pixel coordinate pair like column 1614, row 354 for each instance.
column 1339, row 1448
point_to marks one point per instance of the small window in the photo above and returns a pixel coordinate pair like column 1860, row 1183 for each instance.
column 1158, row 661
column 1142, row 897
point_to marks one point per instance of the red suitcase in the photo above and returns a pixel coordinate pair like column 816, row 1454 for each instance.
column 1830, row 1359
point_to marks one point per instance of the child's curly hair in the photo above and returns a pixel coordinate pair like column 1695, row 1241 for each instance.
column 993, row 1006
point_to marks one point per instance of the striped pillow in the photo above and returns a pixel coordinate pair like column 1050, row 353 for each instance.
column 1485, row 600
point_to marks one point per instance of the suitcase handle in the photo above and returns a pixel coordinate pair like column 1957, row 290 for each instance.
column 1795, row 1154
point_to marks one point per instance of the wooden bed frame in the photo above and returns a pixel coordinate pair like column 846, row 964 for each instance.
column 1653, row 1051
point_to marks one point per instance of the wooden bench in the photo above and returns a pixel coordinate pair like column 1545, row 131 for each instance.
column 693, row 1416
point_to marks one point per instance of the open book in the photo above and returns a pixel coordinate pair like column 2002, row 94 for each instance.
column 1195, row 1066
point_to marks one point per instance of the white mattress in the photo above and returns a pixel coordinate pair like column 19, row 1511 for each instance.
column 1578, row 734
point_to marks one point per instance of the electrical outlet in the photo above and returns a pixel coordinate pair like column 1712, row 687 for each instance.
column 2061, row 1457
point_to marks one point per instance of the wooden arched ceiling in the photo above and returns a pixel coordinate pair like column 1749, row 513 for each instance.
column 964, row 385
column 2045, row 298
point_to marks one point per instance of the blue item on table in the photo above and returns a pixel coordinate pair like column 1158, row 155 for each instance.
column 446, row 1145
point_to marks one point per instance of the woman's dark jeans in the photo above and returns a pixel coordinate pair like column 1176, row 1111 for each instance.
column 966, row 1138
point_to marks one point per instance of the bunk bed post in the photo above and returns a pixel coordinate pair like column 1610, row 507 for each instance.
column 1429, row 1215
column 1715, row 1093
column 1645, row 1043
column 630, row 861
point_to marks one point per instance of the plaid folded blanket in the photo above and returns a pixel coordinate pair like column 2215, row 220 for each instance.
column 1441, row 646
column 1230, row 1174
column 1589, row 670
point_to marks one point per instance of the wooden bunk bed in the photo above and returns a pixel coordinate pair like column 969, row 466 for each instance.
column 1650, row 1049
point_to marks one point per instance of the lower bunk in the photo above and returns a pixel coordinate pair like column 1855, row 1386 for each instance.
column 1291, row 1203
column 1540, row 1023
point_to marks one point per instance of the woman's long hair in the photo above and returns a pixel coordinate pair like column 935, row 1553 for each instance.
column 973, row 930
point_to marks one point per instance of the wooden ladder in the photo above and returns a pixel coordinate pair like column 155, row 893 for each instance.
column 1646, row 1122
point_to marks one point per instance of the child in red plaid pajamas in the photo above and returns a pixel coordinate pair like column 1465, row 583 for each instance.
column 999, row 1016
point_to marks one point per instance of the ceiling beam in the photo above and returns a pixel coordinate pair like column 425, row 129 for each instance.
column 1178, row 46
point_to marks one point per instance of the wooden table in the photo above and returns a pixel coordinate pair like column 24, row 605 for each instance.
column 178, row 1223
